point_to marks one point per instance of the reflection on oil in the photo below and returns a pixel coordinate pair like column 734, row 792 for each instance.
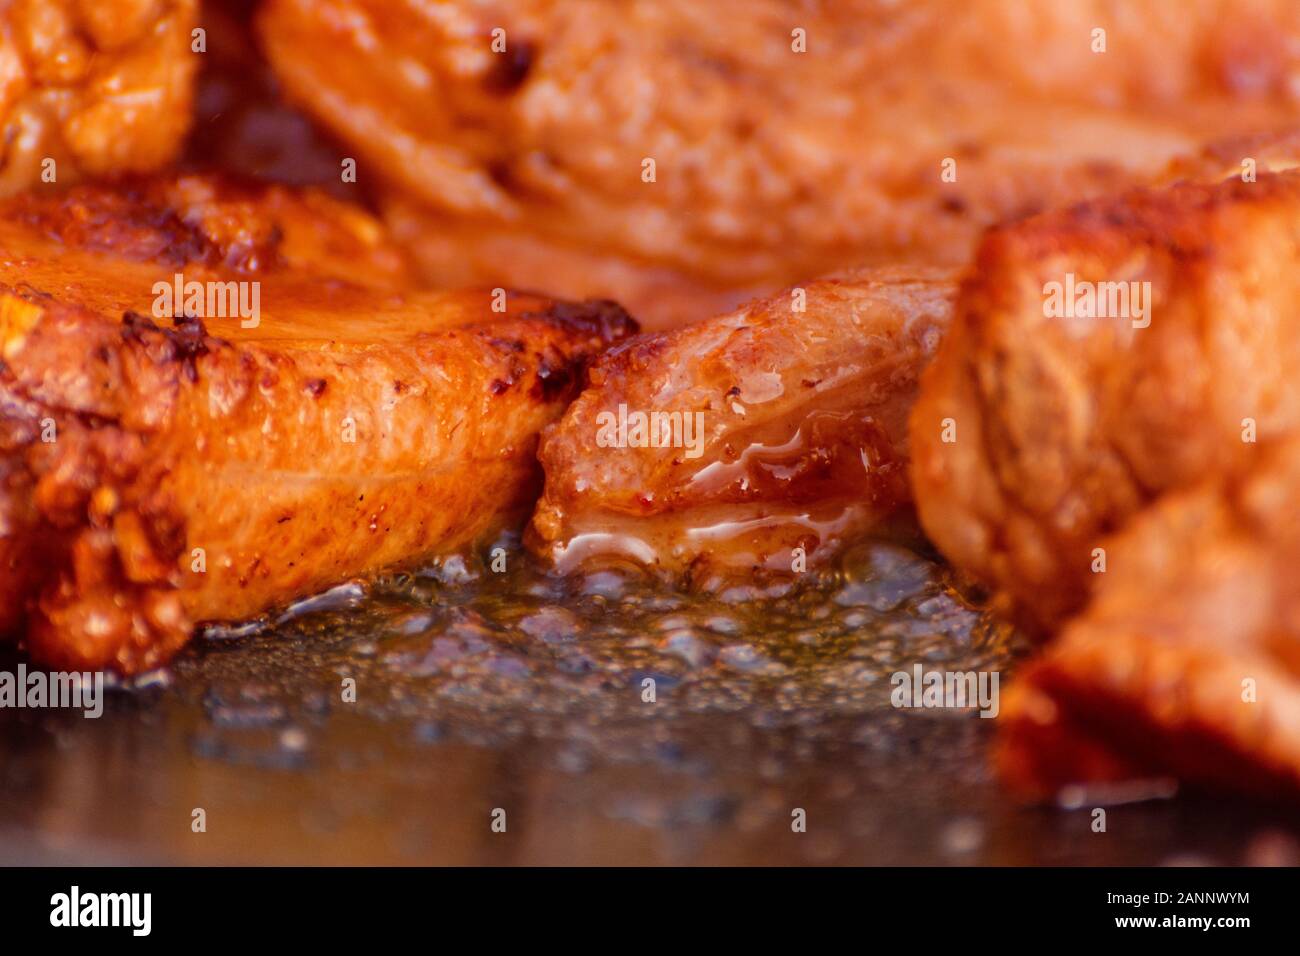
column 384, row 723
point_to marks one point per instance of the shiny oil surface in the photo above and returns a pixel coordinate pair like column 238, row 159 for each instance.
column 478, row 692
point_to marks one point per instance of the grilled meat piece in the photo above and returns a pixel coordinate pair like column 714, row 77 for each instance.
column 96, row 86
column 722, row 447
column 528, row 161
column 1100, row 357
column 1186, row 663
column 162, row 465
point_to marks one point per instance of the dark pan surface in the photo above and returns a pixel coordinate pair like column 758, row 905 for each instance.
column 477, row 691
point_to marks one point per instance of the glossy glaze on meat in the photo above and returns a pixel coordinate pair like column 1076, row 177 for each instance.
column 771, row 166
column 799, row 405
column 159, row 471
column 97, row 86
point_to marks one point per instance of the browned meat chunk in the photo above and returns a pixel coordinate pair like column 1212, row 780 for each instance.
column 1100, row 357
column 722, row 447
column 162, row 465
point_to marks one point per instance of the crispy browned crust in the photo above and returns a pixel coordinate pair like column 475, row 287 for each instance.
column 209, row 221
column 98, row 86
column 1066, row 427
column 354, row 428
column 1186, row 663
column 803, row 399
column 771, row 166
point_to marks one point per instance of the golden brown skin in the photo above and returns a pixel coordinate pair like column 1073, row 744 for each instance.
column 1063, row 428
column 360, row 424
column 97, row 86
column 800, row 407
column 1186, row 663
column 771, row 166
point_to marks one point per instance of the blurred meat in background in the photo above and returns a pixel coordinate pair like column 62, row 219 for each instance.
column 514, row 141
column 96, row 87
column 1186, row 662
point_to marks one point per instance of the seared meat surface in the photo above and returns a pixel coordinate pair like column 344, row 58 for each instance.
column 1186, row 662
column 1044, row 425
column 162, row 467
column 528, row 164
column 1121, row 466
column 720, row 448
column 96, row 86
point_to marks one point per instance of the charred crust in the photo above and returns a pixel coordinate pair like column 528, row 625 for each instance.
column 633, row 355
column 316, row 387
column 510, row 68
column 597, row 317
column 954, row 205
column 154, row 221
column 556, row 376
column 516, row 371
column 1154, row 216
column 501, row 173
column 185, row 342
column 29, row 293
column 126, row 222
column 133, row 323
